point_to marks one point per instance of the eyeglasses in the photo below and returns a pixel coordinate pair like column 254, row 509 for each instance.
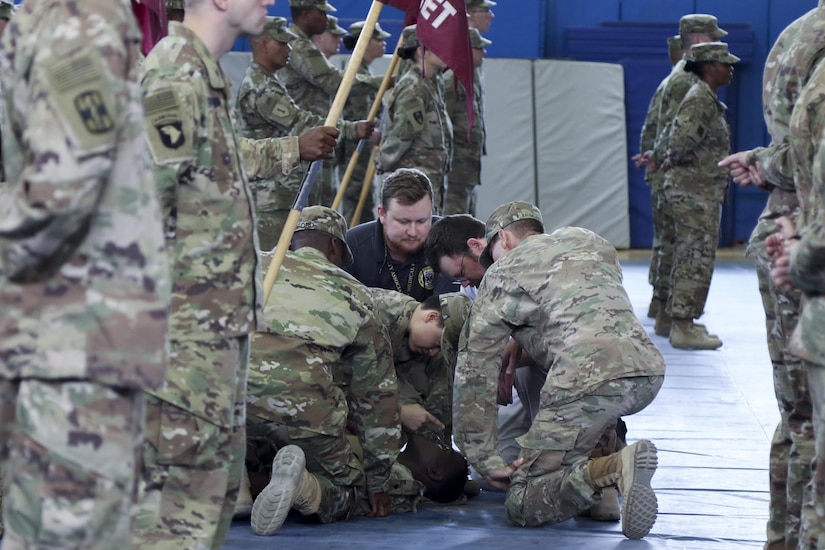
column 461, row 275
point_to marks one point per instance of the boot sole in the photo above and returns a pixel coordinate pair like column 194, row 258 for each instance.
column 640, row 503
column 270, row 509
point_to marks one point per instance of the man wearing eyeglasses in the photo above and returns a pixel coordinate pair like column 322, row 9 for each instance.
column 479, row 14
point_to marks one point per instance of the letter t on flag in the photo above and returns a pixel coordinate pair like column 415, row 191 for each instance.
column 442, row 28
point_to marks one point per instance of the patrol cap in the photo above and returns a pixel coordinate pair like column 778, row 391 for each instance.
column 674, row 43
column 455, row 308
column 379, row 33
column 322, row 218
column 409, row 39
column 712, row 51
column 333, row 28
column 477, row 41
column 276, row 28
column 503, row 216
column 322, row 5
column 700, row 23
column 174, row 5
column 472, row 4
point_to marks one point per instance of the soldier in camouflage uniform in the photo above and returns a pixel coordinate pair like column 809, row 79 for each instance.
column 465, row 172
column 479, row 14
column 358, row 105
column 416, row 131
column 313, row 81
column 263, row 109
column 694, row 29
column 560, row 296
column 695, row 187
column 424, row 338
column 193, row 457
column 655, row 179
column 787, row 68
column 329, row 41
column 84, row 280
column 324, row 357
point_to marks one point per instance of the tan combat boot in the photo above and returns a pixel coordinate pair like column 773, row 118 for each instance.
column 663, row 323
column 243, row 506
column 685, row 335
column 308, row 498
column 631, row 469
column 608, row 509
column 273, row 504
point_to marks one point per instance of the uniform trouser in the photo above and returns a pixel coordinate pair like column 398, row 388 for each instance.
column 336, row 462
column 792, row 444
column 812, row 532
column 696, row 224
column 664, row 240
column 550, row 486
column 462, row 191
column 325, row 186
column 270, row 225
column 69, row 449
column 353, row 191
column 192, row 467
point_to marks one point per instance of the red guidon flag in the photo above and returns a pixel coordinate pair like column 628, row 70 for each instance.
column 441, row 26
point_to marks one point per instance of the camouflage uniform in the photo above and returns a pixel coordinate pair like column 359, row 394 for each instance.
column 195, row 422
column 423, row 380
column 464, row 176
column 313, row 81
column 695, row 187
column 84, row 281
column 661, row 258
column 560, row 296
column 806, row 343
column 264, row 109
column 322, row 357
column 787, row 68
column 416, row 131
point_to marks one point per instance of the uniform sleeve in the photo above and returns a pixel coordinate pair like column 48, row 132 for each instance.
column 475, row 411
column 72, row 102
column 651, row 125
column 269, row 158
column 689, row 129
column 373, row 398
column 776, row 163
column 672, row 97
column 314, row 67
column 406, row 116
column 807, row 268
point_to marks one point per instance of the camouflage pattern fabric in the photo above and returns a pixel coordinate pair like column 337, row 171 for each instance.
column 695, row 187
column 193, row 461
column 324, row 357
column 69, row 492
column 464, row 176
column 84, row 282
column 677, row 85
column 787, row 68
column 313, row 81
column 417, row 132
column 264, row 109
column 560, row 296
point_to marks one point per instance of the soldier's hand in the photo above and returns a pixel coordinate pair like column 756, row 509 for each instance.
column 414, row 416
column 391, row 82
column 365, row 128
column 375, row 138
column 500, row 479
column 737, row 163
column 507, row 373
column 379, row 505
column 781, row 270
column 317, row 143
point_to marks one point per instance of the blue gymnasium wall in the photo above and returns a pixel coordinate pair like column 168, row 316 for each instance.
column 545, row 29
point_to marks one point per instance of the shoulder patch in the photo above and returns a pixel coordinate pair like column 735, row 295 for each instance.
column 166, row 128
column 82, row 98
column 281, row 108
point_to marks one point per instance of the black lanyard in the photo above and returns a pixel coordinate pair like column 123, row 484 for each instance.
column 395, row 276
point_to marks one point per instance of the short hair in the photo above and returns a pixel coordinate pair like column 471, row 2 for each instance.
column 697, row 67
column 525, row 227
column 433, row 303
column 407, row 53
column 448, row 237
column 407, row 186
column 297, row 11
column 452, row 484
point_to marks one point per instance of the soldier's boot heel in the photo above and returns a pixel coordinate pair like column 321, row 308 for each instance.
column 273, row 504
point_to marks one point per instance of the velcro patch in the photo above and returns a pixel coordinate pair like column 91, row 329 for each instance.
column 166, row 129
column 281, row 109
column 83, row 99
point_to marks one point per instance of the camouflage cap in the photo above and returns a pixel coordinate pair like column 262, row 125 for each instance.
column 674, row 43
column 477, row 41
column 700, row 23
column 503, row 216
column 333, row 28
column 379, row 33
column 6, row 9
column 455, row 308
column 322, row 218
column 174, row 5
column 472, row 4
column 712, row 51
column 322, row 5
column 276, row 27
column 409, row 39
